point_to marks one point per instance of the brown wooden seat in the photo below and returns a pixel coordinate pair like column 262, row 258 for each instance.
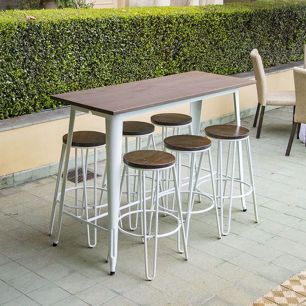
column 137, row 128
column 86, row 139
column 187, row 143
column 171, row 119
column 227, row 132
column 149, row 159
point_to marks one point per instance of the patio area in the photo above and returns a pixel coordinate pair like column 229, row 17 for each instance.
column 236, row 270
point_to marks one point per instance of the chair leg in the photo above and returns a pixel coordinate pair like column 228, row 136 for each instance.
column 294, row 125
column 256, row 115
column 262, row 112
column 298, row 130
column 293, row 113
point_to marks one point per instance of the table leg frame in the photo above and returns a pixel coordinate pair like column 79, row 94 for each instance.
column 113, row 157
column 65, row 172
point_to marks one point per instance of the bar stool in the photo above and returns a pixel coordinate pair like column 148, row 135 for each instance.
column 84, row 212
column 193, row 146
column 171, row 122
column 233, row 135
column 139, row 131
column 156, row 162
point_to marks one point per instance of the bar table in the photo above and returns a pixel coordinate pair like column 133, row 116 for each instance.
column 116, row 103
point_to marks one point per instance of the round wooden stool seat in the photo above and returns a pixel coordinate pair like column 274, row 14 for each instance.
column 171, row 119
column 187, row 143
column 149, row 159
column 137, row 128
column 227, row 132
column 86, row 139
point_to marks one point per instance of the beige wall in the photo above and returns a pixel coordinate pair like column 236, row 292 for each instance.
column 39, row 145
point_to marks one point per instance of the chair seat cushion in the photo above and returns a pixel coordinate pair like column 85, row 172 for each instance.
column 281, row 98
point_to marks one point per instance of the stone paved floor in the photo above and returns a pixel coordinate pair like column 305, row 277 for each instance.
column 235, row 270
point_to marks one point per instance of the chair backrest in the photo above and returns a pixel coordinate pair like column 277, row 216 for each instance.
column 261, row 81
column 300, row 92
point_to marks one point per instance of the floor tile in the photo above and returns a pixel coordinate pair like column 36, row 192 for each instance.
column 11, row 271
column 28, row 282
column 7, row 293
column 96, row 295
column 22, row 300
column 48, row 295
column 119, row 301
column 72, row 300
column 75, row 282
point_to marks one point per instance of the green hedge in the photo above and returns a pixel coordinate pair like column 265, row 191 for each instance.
column 64, row 50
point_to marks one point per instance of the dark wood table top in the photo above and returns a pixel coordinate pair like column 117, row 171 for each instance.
column 127, row 97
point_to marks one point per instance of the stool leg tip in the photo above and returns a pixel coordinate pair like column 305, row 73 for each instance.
column 112, row 273
column 244, row 210
column 55, row 244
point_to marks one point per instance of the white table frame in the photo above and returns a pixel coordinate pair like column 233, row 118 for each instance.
column 114, row 141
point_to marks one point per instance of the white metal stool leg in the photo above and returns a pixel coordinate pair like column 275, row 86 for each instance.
column 131, row 195
column 252, row 178
column 220, row 177
column 237, row 144
column 180, row 213
column 193, row 184
column 241, row 175
column 227, row 167
column 230, row 199
column 214, row 192
column 85, row 198
column 191, row 194
column 149, row 275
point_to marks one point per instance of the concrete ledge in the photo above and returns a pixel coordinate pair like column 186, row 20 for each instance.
column 36, row 118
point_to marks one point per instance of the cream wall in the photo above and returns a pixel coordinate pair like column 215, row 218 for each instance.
column 39, row 145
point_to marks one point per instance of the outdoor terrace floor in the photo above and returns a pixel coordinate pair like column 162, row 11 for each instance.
column 235, row 270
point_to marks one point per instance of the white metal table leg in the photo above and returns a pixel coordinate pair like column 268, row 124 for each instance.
column 240, row 157
column 58, row 179
column 195, row 111
column 65, row 171
column 113, row 152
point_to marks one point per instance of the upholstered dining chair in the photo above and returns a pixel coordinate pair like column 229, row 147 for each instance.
column 300, row 109
column 266, row 97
